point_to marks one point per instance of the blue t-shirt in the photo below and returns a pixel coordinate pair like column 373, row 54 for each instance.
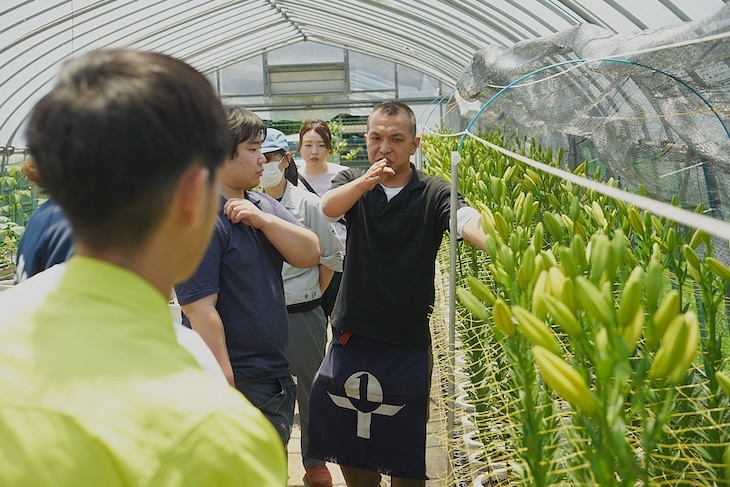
column 47, row 241
column 244, row 268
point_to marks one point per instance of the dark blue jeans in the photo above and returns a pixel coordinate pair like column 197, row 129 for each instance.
column 275, row 398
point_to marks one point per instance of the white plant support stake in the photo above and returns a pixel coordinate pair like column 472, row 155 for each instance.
column 455, row 159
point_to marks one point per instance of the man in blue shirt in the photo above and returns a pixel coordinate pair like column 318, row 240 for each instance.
column 47, row 241
column 235, row 299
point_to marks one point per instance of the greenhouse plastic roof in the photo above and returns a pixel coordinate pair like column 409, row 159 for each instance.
column 436, row 37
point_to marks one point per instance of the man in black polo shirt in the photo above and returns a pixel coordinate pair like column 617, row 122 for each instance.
column 375, row 379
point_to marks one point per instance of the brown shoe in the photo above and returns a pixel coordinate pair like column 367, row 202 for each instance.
column 317, row 476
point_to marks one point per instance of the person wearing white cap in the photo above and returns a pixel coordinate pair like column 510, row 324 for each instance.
column 303, row 288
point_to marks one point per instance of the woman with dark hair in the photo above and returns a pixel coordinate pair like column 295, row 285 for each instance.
column 315, row 147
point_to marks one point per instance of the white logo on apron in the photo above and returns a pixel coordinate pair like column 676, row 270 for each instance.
column 373, row 393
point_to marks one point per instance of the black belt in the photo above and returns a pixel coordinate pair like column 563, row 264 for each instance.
column 302, row 307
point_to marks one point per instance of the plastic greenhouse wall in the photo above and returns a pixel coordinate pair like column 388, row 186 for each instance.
column 652, row 114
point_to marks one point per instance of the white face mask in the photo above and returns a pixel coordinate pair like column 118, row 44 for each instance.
column 272, row 175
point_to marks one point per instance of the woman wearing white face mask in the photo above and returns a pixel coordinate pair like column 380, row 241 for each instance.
column 273, row 176
column 303, row 288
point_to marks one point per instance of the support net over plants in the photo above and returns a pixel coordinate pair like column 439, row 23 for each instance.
column 652, row 107
column 592, row 334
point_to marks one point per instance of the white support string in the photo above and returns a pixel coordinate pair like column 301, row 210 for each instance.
column 672, row 173
column 707, row 224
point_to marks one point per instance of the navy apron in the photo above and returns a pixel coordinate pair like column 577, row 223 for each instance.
column 368, row 407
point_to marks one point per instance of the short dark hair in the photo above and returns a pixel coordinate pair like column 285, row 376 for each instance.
column 114, row 135
column 319, row 126
column 392, row 108
column 244, row 126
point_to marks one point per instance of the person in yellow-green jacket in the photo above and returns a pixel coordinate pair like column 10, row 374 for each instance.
column 94, row 387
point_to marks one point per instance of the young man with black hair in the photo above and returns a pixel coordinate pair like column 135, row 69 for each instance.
column 235, row 299
column 95, row 388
